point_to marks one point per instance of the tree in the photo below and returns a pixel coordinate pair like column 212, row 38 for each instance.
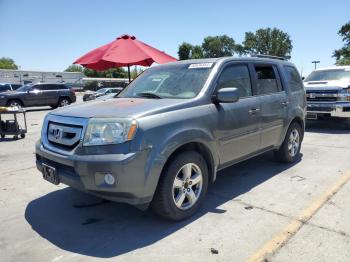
column 197, row 52
column 117, row 72
column 7, row 63
column 267, row 41
column 185, row 51
column 74, row 68
column 218, row 46
column 342, row 55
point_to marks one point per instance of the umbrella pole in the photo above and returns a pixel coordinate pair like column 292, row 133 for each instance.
column 129, row 73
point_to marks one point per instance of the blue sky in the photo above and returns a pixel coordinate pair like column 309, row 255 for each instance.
column 51, row 34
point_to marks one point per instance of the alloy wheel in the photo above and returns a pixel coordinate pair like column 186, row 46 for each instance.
column 187, row 186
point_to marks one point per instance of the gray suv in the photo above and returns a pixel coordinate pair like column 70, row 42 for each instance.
column 163, row 140
column 41, row 94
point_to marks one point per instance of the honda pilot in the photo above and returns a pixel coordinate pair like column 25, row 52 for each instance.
column 162, row 142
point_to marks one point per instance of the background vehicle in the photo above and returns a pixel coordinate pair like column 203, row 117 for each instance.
column 41, row 94
column 101, row 92
column 4, row 87
column 328, row 92
column 163, row 140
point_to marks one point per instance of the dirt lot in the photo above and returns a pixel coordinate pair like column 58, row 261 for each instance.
column 256, row 209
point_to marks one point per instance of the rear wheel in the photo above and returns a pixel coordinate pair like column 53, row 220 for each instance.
column 290, row 149
column 14, row 103
column 64, row 101
column 182, row 187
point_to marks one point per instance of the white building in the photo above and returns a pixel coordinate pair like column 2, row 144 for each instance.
column 20, row 77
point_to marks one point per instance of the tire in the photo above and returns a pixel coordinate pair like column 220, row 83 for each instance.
column 23, row 135
column 290, row 149
column 64, row 101
column 169, row 190
column 14, row 102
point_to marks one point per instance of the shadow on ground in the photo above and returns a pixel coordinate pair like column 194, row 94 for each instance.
column 86, row 225
column 329, row 126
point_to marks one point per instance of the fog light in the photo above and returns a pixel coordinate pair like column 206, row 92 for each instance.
column 109, row 179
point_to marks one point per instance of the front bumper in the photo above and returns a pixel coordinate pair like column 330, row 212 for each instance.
column 86, row 173
column 334, row 109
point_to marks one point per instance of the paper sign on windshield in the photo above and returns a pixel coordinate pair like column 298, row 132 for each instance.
column 200, row 65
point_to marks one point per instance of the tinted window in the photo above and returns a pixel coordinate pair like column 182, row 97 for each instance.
column 60, row 87
column 236, row 76
column 37, row 87
column 293, row 78
column 4, row 88
column 266, row 80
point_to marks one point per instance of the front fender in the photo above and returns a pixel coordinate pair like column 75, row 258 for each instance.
column 161, row 152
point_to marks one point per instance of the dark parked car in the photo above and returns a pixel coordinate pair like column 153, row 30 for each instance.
column 162, row 141
column 4, row 87
column 101, row 92
column 41, row 94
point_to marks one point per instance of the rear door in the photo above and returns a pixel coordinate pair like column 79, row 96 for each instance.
column 238, row 123
column 35, row 96
column 273, row 103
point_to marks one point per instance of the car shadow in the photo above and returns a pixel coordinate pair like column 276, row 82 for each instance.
column 329, row 126
column 86, row 225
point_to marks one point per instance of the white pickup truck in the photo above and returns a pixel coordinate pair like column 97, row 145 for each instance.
column 328, row 92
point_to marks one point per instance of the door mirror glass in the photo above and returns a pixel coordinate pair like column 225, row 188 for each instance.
column 227, row 95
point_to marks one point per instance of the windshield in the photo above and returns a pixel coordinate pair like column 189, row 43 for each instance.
column 24, row 88
column 101, row 91
column 169, row 81
column 335, row 74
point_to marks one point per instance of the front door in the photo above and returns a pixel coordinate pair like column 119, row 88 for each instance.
column 237, row 130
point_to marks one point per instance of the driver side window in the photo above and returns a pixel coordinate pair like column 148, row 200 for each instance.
column 236, row 76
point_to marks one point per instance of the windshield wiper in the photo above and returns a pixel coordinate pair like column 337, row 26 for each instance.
column 148, row 95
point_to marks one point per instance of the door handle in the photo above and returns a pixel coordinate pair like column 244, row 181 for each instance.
column 285, row 103
column 253, row 111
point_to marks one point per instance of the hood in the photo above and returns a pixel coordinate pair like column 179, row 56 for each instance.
column 330, row 84
column 122, row 107
column 8, row 93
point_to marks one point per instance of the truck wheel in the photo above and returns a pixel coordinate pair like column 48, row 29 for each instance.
column 63, row 101
column 14, row 103
column 290, row 149
column 182, row 187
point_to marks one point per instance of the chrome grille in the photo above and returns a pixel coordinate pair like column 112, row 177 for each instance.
column 62, row 134
column 67, row 136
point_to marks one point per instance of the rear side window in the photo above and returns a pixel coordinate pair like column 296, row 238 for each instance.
column 293, row 78
column 267, row 81
column 236, row 76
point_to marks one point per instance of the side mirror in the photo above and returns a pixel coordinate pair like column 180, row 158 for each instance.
column 303, row 78
column 226, row 95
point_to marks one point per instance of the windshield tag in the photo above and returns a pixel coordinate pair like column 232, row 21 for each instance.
column 201, row 65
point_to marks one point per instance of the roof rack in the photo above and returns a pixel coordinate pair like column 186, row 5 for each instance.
column 270, row 56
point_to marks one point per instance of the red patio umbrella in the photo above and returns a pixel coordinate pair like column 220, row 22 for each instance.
column 125, row 51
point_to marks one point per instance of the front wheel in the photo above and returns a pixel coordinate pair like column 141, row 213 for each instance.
column 182, row 187
column 290, row 149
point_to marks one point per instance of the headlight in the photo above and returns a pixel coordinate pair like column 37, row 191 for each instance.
column 104, row 131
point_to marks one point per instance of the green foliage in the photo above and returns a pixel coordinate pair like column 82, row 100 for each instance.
column 218, row 46
column 212, row 46
column 267, row 41
column 110, row 73
column 74, row 68
column 342, row 55
column 185, row 51
column 7, row 63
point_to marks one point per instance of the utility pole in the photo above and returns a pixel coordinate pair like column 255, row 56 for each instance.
column 315, row 62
